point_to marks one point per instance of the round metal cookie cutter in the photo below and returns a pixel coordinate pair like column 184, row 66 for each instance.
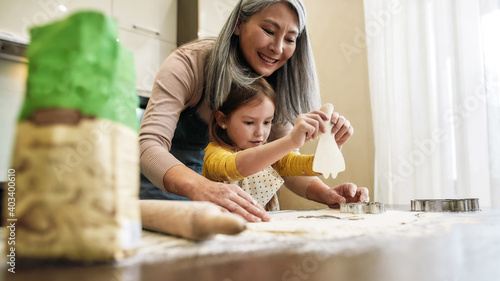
column 363, row 208
column 445, row 205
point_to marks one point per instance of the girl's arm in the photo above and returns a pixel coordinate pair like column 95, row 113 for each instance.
column 307, row 126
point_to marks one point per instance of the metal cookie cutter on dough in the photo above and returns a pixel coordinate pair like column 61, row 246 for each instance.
column 363, row 208
column 445, row 205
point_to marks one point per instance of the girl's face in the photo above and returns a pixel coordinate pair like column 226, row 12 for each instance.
column 267, row 39
column 249, row 125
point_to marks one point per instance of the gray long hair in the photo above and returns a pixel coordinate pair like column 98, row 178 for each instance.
column 295, row 83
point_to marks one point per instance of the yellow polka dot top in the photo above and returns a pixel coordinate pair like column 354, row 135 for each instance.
column 219, row 164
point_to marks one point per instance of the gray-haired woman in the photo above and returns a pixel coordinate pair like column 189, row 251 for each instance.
column 261, row 38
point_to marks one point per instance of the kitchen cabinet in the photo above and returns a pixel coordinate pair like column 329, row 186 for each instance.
column 149, row 30
column 17, row 17
column 202, row 18
column 152, row 18
column 12, row 87
column 149, row 54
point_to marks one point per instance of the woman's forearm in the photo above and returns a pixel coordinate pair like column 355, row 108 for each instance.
column 300, row 184
column 183, row 181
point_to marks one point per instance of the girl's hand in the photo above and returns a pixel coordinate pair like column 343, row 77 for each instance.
column 308, row 126
column 341, row 128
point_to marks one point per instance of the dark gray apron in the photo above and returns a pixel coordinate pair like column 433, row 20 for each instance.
column 188, row 145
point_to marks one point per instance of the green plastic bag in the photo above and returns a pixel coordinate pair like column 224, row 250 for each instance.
column 77, row 63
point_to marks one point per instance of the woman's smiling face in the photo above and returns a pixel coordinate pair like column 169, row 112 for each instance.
column 267, row 39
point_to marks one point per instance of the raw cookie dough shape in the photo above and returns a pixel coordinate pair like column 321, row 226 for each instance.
column 328, row 159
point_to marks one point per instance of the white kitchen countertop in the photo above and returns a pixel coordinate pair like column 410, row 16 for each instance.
column 311, row 245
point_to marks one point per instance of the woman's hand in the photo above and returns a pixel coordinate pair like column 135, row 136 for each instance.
column 309, row 125
column 183, row 181
column 333, row 197
column 341, row 128
column 232, row 198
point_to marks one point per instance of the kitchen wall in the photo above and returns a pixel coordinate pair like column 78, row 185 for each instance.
column 337, row 36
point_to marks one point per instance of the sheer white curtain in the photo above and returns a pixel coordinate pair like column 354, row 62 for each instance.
column 434, row 84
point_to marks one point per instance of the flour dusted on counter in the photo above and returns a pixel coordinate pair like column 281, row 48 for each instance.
column 332, row 224
column 329, row 223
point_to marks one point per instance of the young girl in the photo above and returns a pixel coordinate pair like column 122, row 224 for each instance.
column 239, row 153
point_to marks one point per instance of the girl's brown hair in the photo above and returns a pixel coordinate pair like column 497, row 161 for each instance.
column 238, row 97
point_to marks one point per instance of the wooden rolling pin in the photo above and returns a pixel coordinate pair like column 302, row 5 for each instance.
column 189, row 219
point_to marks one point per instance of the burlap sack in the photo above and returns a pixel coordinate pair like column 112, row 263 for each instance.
column 77, row 191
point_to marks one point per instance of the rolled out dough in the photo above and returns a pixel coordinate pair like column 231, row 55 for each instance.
column 330, row 223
